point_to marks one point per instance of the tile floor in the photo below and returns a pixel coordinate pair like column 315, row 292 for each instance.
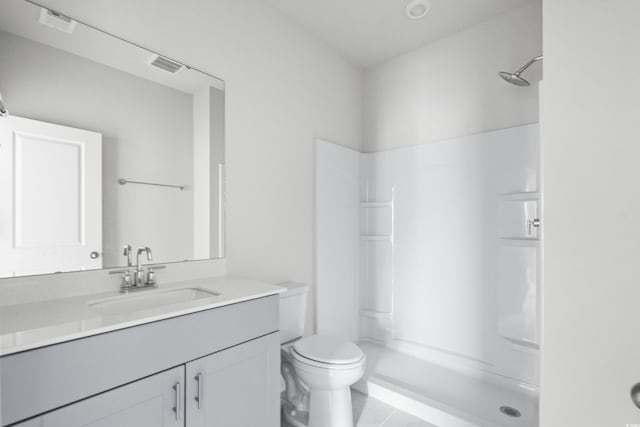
column 368, row 412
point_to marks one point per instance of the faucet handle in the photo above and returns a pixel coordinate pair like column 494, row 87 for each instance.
column 126, row 280
column 128, row 253
column 151, row 274
column 125, row 283
column 151, row 277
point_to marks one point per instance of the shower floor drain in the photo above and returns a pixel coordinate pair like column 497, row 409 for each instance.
column 509, row 411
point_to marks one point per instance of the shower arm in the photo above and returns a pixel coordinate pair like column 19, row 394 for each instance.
column 528, row 64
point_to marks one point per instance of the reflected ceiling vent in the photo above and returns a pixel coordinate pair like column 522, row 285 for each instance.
column 56, row 20
column 165, row 64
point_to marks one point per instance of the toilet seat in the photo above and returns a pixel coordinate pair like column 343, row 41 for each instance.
column 327, row 352
column 313, row 363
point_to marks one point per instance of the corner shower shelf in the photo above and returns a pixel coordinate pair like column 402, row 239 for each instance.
column 375, row 238
column 375, row 314
column 366, row 205
column 520, row 197
column 523, row 343
column 520, row 241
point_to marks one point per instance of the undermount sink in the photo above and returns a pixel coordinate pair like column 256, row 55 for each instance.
column 149, row 300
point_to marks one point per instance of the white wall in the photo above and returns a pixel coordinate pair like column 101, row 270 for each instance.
column 590, row 135
column 337, row 209
column 44, row 83
column 450, row 87
column 284, row 88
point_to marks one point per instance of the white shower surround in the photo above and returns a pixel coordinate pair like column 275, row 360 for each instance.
column 427, row 248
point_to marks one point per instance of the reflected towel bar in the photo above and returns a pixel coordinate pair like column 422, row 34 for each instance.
column 123, row 181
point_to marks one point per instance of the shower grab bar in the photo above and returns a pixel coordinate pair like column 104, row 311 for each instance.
column 123, row 181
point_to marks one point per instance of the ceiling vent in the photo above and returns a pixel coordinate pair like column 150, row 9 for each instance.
column 165, row 64
column 56, row 20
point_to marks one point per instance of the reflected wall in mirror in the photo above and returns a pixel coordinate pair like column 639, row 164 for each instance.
column 106, row 145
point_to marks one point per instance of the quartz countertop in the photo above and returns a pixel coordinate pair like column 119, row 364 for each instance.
column 32, row 325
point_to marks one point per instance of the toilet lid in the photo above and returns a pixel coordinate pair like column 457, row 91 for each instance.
column 326, row 349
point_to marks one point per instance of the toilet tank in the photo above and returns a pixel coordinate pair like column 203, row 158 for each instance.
column 293, row 310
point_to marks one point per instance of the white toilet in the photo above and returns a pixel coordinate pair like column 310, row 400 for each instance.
column 317, row 369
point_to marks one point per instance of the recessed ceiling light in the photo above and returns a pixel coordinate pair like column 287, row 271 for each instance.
column 417, row 9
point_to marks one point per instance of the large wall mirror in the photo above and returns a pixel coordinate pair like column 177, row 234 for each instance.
column 105, row 145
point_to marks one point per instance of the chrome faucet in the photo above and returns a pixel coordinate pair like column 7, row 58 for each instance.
column 141, row 279
column 139, row 275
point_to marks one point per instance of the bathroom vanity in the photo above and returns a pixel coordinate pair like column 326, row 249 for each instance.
column 118, row 151
column 188, row 354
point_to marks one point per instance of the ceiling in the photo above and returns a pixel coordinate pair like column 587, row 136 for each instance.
column 367, row 32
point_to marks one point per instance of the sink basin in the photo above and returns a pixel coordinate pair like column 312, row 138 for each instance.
column 149, row 300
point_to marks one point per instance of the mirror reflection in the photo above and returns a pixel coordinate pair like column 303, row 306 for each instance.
column 104, row 146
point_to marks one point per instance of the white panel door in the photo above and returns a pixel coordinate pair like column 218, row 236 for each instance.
column 337, row 210
column 51, row 193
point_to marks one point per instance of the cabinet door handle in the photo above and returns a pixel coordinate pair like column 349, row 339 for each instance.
column 178, row 408
column 200, row 381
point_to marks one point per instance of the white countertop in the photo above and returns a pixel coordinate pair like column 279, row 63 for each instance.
column 37, row 324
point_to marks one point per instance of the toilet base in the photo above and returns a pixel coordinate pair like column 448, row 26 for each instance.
column 330, row 408
column 293, row 417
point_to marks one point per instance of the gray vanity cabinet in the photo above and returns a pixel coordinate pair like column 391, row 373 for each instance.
column 238, row 387
column 226, row 361
column 155, row 401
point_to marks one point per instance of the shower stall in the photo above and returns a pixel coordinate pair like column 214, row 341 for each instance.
column 428, row 258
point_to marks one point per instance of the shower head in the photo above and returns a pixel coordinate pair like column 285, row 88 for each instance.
column 516, row 78
column 513, row 78
column 3, row 110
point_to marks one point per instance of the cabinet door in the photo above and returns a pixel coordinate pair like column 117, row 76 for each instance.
column 156, row 401
column 237, row 387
